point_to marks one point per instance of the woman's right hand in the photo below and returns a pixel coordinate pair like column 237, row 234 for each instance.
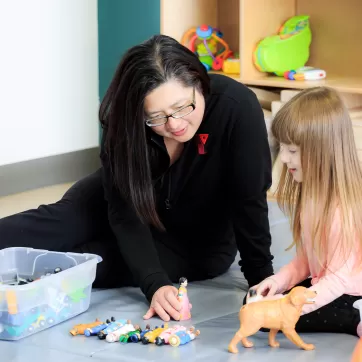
column 267, row 288
column 165, row 304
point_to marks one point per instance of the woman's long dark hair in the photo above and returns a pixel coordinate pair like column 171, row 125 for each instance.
column 142, row 69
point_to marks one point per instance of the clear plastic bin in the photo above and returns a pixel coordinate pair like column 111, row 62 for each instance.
column 48, row 300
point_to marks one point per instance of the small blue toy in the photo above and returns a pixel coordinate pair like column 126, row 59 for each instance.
column 112, row 327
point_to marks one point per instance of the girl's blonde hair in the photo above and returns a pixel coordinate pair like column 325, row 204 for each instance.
column 317, row 121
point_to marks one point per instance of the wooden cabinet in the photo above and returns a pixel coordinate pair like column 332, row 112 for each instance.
column 336, row 46
column 336, row 34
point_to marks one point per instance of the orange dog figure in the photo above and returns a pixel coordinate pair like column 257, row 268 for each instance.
column 357, row 353
column 275, row 314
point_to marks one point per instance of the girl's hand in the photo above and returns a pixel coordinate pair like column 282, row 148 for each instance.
column 165, row 304
column 267, row 288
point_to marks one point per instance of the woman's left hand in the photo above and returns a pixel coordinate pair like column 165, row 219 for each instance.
column 165, row 304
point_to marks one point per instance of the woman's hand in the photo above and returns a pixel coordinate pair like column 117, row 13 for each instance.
column 267, row 288
column 165, row 304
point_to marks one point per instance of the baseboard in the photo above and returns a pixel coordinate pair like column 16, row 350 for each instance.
column 30, row 175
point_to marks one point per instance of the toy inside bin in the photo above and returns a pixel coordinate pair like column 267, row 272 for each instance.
column 40, row 289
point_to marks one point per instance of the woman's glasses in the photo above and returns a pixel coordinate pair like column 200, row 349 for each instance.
column 182, row 112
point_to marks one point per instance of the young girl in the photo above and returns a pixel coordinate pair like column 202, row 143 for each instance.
column 321, row 190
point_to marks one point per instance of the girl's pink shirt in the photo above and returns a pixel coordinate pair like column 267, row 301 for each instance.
column 339, row 278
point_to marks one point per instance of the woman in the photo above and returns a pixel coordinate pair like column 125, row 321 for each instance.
column 182, row 187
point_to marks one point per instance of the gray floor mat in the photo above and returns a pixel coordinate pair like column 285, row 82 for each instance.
column 215, row 306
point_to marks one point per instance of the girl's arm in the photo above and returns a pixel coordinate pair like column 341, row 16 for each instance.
column 293, row 273
column 338, row 277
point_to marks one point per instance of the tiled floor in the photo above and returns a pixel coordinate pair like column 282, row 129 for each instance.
column 12, row 204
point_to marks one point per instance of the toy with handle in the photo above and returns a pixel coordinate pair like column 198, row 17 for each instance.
column 287, row 50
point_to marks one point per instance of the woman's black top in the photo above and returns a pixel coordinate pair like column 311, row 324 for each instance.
column 212, row 201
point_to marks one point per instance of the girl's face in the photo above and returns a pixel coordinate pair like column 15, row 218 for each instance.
column 171, row 98
column 290, row 156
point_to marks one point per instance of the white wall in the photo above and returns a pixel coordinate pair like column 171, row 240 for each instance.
column 48, row 78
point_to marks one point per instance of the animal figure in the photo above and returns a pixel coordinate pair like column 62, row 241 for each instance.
column 276, row 314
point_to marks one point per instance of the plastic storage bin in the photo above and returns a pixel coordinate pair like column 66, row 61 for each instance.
column 48, row 300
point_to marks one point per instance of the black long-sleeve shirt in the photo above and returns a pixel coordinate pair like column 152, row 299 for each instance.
column 213, row 199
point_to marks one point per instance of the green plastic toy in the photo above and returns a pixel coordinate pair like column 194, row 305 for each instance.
column 286, row 51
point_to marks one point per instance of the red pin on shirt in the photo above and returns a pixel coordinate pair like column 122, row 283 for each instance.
column 202, row 142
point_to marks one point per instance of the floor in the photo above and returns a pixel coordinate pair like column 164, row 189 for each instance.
column 30, row 199
column 215, row 306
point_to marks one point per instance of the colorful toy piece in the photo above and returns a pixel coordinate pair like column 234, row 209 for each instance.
column 80, row 328
column 165, row 335
column 150, row 337
column 146, row 330
column 357, row 353
column 115, row 335
column 207, row 51
column 275, row 314
column 286, row 51
column 133, row 336
column 183, row 337
column 182, row 296
column 305, row 73
column 111, row 328
column 231, row 66
column 95, row 330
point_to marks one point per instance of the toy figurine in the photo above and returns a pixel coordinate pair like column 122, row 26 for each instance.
column 111, row 328
column 150, row 337
column 183, row 337
column 165, row 335
column 146, row 330
column 274, row 314
column 357, row 353
column 115, row 335
column 80, row 328
column 132, row 336
column 185, row 312
column 96, row 329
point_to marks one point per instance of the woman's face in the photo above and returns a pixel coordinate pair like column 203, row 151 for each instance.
column 173, row 97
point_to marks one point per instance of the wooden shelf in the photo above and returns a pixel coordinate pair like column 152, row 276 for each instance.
column 342, row 84
column 336, row 29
